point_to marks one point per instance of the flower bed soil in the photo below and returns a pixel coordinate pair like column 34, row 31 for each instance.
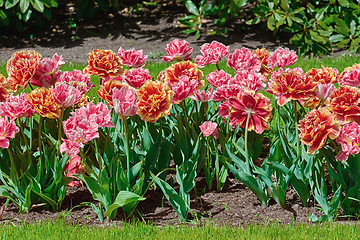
column 235, row 205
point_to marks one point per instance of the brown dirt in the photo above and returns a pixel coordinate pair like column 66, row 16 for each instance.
column 149, row 30
column 234, row 206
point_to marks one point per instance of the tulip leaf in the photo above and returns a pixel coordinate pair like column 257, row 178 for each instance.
column 123, row 198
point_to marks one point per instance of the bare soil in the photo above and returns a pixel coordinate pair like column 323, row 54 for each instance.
column 150, row 30
column 234, row 206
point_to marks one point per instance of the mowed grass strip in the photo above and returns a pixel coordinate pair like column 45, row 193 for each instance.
column 58, row 230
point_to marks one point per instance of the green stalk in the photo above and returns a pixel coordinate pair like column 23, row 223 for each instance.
column 21, row 125
column 296, row 130
column 60, row 128
column 40, row 130
column 246, row 136
column 127, row 151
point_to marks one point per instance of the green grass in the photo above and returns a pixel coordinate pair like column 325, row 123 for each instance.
column 48, row 230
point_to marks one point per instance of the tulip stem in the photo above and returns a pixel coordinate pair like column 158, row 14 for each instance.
column 296, row 130
column 23, row 134
column 59, row 130
column 39, row 135
column 246, row 136
column 127, row 151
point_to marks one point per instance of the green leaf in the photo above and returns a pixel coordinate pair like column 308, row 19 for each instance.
column 179, row 204
column 253, row 21
column 197, row 34
column 317, row 37
column 320, row 14
column 188, row 31
column 336, row 38
column 352, row 27
column 38, row 5
column 123, row 198
column 344, row 3
column 24, row 5
column 271, row 23
column 252, row 183
column 191, row 7
column 278, row 194
column 11, row 3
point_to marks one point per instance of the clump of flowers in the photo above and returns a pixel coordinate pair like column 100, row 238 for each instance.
column 132, row 58
column 21, row 68
column 154, row 101
column 103, row 63
column 178, row 51
column 316, row 127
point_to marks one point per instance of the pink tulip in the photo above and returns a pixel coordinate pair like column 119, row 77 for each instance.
column 251, row 80
column 349, row 139
column 177, row 51
column 132, row 58
column 218, row 78
column 183, row 88
column 283, row 57
column 8, row 129
column 125, row 101
column 246, row 104
column 70, row 147
column 226, row 91
column 351, row 78
column 209, row 128
column 48, row 72
column 66, row 95
column 212, row 52
column 83, row 125
column 77, row 79
column 137, row 77
column 244, row 59
column 202, row 95
column 17, row 107
column 74, row 166
column 323, row 91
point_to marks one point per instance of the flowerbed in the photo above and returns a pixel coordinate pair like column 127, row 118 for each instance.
column 140, row 131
